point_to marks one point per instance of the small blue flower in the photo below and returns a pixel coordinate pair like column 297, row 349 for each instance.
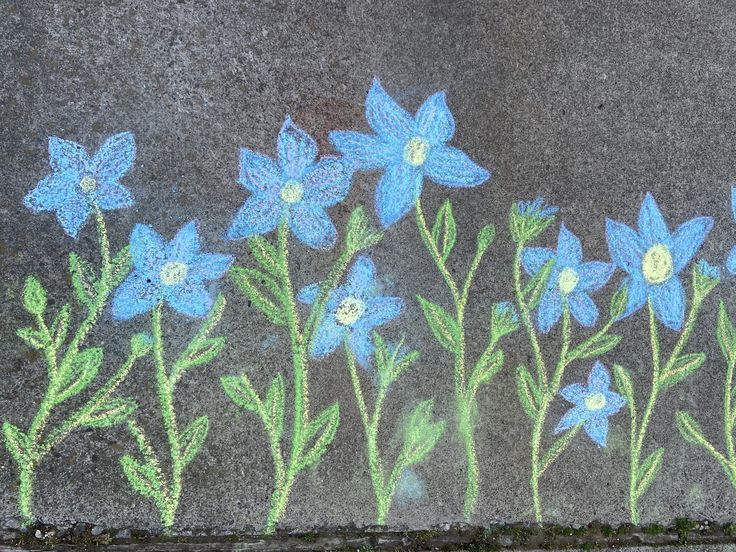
column 175, row 272
column 77, row 181
column 297, row 187
column 707, row 269
column 355, row 308
column 653, row 258
column 408, row 148
column 731, row 259
column 536, row 209
column 570, row 281
column 593, row 405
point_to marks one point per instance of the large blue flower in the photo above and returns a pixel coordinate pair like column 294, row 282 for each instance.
column 175, row 272
column 296, row 187
column 653, row 258
column 77, row 181
column 570, row 281
column 594, row 403
column 408, row 148
column 355, row 308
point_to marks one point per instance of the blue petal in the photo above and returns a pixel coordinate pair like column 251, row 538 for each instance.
column 365, row 151
column 572, row 418
column 361, row 276
column 434, row 120
column 185, row 245
column 453, row 168
column 594, row 275
column 583, row 309
column 575, row 393
column 625, row 246
column 189, row 298
column 328, row 337
column 67, row 156
column 258, row 173
column 312, row 225
column 733, row 201
column 687, row 240
column 52, row 191
column 362, row 346
column 652, row 226
column 397, row 192
column 614, row 403
column 637, row 293
column 380, row 310
column 599, row 379
column 147, row 249
column 114, row 158
column 308, row 294
column 210, row 266
column 668, row 300
column 597, row 429
column 731, row 260
column 534, row 258
column 550, row 309
column 260, row 214
column 297, row 150
column 111, row 195
column 73, row 213
column 569, row 249
column 327, row 183
column 134, row 296
column 387, row 118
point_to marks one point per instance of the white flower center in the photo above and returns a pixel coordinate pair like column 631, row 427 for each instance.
column 567, row 280
column 596, row 401
column 173, row 273
column 88, row 184
column 349, row 311
column 292, row 192
column 657, row 264
column 415, row 151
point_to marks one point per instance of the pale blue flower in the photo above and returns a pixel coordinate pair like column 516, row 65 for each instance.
column 731, row 259
column 78, row 181
column 408, row 149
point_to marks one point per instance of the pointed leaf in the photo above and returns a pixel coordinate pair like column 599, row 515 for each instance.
column 689, row 428
column 273, row 407
column 34, row 296
column 360, row 232
column 682, row 368
column 266, row 254
column 444, row 230
column 558, row 447
column 111, row 412
column 77, row 374
column 420, row 434
column 319, row 432
column 648, row 471
column 262, row 291
column 537, row 285
column 241, row 392
column 594, row 347
column 726, row 334
column 203, row 351
column 528, row 393
column 443, row 326
column 192, row 438
column 60, row 325
column 488, row 365
column 84, row 279
column 120, row 266
column 624, row 385
column 34, row 338
column 17, row 444
column 143, row 478
column 485, row 238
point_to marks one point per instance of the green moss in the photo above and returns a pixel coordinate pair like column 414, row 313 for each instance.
column 683, row 526
column 653, row 529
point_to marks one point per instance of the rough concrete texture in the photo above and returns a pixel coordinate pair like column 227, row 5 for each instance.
column 588, row 104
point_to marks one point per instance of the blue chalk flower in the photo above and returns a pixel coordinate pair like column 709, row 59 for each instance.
column 77, row 182
column 570, row 282
column 731, row 259
column 175, row 272
column 593, row 405
column 536, row 209
column 408, row 148
column 355, row 308
column 653, row 258
column 297, row 188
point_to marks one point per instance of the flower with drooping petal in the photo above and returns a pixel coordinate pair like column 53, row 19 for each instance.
column 408, row 149
column 78, row 182
column 528, row 219
column 570, row 281
column 653, row 258
column 355, row 308
column 297, row 187
column 174, row 272
column 594, row 403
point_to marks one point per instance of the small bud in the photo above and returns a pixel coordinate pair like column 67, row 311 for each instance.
column 504, row 320
column 528, row 219
column 141, row 344
column 705, row 278
column 34, row 296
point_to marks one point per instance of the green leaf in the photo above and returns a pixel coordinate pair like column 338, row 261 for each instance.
column 443, row 326
column 648, row 471
column 485, row 238
column 420, row 434
column 726, row 335
column 624, row 384
column 60, row 325
column 273, row 407
column 120, row 267
column 241, row 392
column 84, row 280
column 201, row 352
column 529, row 395
column 34, row 338
column 77, row 374
column 488, row 365
column 111, row 412
column 444, row 230
column 192, row 438
column 17, row 444
column 536, row 286
column 689, row 428
column 594, row 347
column 144, row 478
column 141, row 344
column 618, row 302
column 360, row 232
column 34, row 296
column 319, row 432
column 265, row 253
column 682, row 368
column 558, row 447
column 262, row 291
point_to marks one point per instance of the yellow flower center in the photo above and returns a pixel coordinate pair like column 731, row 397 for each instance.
column 415, row 151
column 568, row 280
column 657, row 264
column 292, row 192
column 173, row 273
column 88, row 184
column 596, row 401
column 349, row 311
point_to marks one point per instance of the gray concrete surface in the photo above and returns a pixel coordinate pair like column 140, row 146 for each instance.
column 588, row 104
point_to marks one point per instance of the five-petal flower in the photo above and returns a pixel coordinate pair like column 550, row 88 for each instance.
column 408, row 149
column 355, row 308
column 174, row 272
column 297, row 188
column 570, row 280
column 78, row 182
column 594, row 403
column 653, row 258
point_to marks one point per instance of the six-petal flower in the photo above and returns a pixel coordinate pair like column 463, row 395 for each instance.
column 78, row 182
column 408, row 149
column 174, row 272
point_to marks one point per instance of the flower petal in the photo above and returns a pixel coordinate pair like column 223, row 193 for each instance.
column 111, row 195
column 362, row 346
column 308, row 294
column 625, row 246
column 733, row 201
column 114, row 158
column 312, row 225
column 575, row 393
column 190, row 298
column 453, row 168
column 434, row 120
column 65, row 155
column 569, row 249
column 297, row 150
column 599, row 379
column 365, row 151
column 668, row 301
column 652, row 227
column 387, row 118
column 210, row 266
column 583, row 308
column 185, row 245
column 328, row 337
column 594, row 275
column 550, row 309
column 637, row 294
column 73, row 213
column 572, row 418
column 731, row 260
column 380, row 310
column 260, row 214
column 614, row 403
column 328, row 182
column 360, row 280
column 134, row 296
column 258, row 173
column 597, row 429
column 52, row 191
column 534, row 258
column 397, row 192
column 687, row 239
column 147, row 250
